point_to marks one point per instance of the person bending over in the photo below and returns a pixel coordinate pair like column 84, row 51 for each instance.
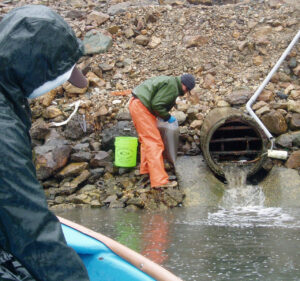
column 154, row 98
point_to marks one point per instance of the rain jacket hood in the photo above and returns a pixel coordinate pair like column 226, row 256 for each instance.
column 30, row 54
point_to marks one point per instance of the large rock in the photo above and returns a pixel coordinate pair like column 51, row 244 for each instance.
column 239, row 96
column 295, row 121
column 128, row 33
column 263, row 110
column 154, row 42
column 209, row 81
column 257, row 60
column 47, row 99
column 266, row 96
column 101, row 159
column 294, row 160
column 196, row 124
column 295, row 94
column 294, row 106
column 118, row 8
column 73, row 169
column 97, row 17
column 52, row 112
column 81, row 147
column 39, row 129
column 180, row 116
column 261, row 34
column 142, row 40
column 195, row 41
column 94, row 80
column 123, row 115
column 72, row 90
column 296, row 70
column 77, row 127
column 50, row 157
column 81, row 156
column 96, row 42
column 289, row 139
column 80, row 179
column 172, row 197
column 275, row 122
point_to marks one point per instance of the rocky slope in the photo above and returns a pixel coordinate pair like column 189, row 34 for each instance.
column 230, row 46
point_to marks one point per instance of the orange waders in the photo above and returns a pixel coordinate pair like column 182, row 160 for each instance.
column 152, row 145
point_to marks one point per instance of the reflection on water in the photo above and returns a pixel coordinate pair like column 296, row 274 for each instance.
column 126, row 231
column 238, row 240
column 155, row 238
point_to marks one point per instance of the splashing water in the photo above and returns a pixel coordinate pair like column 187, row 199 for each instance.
column 242, row 205
column 245, row 196
column 238, row 194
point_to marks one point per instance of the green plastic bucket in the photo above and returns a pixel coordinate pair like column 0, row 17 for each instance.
column 125, row 151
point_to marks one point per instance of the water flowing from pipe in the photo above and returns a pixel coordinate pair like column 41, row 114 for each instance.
column 242, row 205
column 238, row 193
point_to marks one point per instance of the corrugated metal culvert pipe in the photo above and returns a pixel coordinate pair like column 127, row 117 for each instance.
column 231, row 138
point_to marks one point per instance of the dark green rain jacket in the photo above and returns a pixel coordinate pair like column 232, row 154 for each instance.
column 36, row 46
column 159, row 94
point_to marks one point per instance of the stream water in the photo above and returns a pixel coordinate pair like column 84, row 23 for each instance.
column 238, row 240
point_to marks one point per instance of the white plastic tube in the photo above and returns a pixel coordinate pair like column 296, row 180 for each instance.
column 265, row 82
column 278, row 154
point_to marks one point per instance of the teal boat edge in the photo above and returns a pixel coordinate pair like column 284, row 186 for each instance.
column 108, row 260
column 101, row 262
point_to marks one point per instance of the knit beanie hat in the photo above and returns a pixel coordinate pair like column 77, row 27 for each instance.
column 188, row 80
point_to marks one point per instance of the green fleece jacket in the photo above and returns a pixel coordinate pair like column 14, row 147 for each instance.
column 159, row 94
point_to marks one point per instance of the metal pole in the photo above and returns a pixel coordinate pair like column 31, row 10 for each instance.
column 265, row 82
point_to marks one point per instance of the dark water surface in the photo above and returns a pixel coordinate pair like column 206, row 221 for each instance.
column 226, row 243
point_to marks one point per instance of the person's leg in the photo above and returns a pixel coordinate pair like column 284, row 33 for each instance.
column 144, row 165
column 143, row 161
column 150, row 138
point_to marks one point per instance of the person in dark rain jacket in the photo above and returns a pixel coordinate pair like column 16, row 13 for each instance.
column 38, row 52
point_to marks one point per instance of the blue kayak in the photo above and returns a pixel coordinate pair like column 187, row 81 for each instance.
column 106, row 259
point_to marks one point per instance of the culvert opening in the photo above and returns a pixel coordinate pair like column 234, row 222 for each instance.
column 230, row 138
column 235, row 141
